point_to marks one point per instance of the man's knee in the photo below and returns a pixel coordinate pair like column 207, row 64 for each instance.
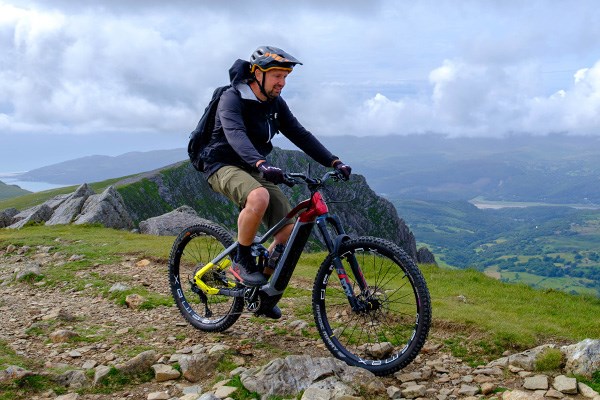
column 258, row 200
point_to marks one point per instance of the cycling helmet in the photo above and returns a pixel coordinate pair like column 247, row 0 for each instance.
column 269, row 57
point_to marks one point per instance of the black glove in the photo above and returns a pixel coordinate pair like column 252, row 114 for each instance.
column 342, row 169
column 271, row 173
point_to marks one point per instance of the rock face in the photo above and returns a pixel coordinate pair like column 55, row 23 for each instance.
column 171, row 223
column 80, row 207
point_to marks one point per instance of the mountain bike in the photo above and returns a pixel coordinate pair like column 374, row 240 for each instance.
column 375, row 315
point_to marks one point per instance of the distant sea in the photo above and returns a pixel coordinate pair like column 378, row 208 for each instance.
column 12, row 178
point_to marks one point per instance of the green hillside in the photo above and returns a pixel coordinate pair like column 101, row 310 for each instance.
column 10, row 191
column 545, row 247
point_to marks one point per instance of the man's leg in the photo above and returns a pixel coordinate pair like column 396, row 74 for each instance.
column 251, row 215
column 281, row 236
column 253, row 200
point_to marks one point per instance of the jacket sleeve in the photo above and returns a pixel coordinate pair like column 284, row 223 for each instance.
column 306, row 141
column 230, row 114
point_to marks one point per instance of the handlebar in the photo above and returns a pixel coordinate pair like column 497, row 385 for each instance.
column 293, row 178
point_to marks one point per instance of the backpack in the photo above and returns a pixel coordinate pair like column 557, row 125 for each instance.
column 200, row 136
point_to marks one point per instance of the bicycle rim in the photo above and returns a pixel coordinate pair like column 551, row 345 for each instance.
column 192, row 250
column 390, row 330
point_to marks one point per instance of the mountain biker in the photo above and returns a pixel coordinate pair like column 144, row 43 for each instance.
column 249, row 115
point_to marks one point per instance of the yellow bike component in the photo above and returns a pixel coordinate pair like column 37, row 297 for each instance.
column 220, row 267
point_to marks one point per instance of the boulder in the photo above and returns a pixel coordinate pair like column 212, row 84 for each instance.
column 6, row 217
column 295, row 373
column 40, row 213
column 138, row 364
column 71, row 206
column 28, row 271
column 565, row 385
column 171, row 223
column 199, row 366
column 583, row 358
column 425, row 256
column 12, row 373
column 525, row 360
column 106, row 209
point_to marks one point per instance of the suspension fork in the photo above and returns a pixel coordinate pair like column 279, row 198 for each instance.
column 333, row 245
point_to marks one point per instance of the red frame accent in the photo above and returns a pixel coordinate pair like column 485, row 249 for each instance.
column 315, row 207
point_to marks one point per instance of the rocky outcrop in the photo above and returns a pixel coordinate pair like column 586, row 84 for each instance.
column 171, row 223
column 80, row 207
column 70, row 207
column 424, row 256
column 107, row 209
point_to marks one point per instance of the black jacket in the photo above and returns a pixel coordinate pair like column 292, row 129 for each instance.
column 244, row 128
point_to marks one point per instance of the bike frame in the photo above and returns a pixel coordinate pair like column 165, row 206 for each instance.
column 310, row 212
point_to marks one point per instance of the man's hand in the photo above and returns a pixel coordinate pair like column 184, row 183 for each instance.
column 271, row 173
column 343, row 169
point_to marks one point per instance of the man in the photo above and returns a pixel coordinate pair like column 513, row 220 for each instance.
column 249, row 114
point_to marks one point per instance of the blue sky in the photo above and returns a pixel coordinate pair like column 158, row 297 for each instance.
column 108, row 77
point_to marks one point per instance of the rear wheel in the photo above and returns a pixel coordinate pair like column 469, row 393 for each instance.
column 390, row 321
column 192, row 250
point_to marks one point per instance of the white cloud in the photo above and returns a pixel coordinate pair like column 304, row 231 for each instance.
column 478, row 100
column 389, row 67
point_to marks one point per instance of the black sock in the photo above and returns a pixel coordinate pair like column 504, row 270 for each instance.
column 243, row 252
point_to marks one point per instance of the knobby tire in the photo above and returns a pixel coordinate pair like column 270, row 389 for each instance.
column 193, row 248
column 393, row 326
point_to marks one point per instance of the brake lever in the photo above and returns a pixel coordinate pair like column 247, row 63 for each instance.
column 289, row 181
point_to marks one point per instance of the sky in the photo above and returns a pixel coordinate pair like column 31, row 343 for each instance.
column 87, row 77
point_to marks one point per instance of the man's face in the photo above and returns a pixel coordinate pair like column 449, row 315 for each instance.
column 275, row 81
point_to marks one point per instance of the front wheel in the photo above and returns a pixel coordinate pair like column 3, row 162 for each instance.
column 388, row 324
column 193, row 249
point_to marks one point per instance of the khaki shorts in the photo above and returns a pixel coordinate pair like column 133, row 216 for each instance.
column 236, row 184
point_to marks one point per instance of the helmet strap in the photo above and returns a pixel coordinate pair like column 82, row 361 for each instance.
column 261, row 85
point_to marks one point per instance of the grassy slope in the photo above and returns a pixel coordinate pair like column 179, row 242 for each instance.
column 502, row 315
column 9, row 191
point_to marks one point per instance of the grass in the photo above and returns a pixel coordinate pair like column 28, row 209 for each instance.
column 549, row 360
column 117, row 380
column 515, row 315
column 594, row 382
